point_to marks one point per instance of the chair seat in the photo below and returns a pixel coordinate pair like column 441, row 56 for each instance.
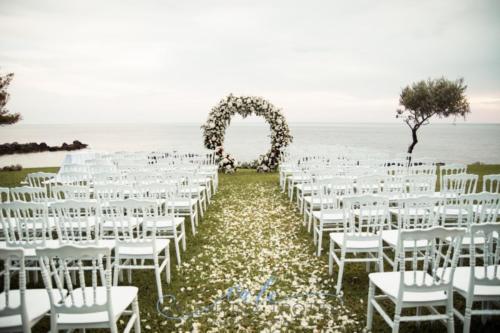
column 409, row 211
column 329, row 216
column 388, row 282
column 109, row 225
column 121, row 298
column 477, row 208
column 372, row 212
column 125, row 250
column 461, row 279
column 181, row 203
column 165, row 223
column 316, row 201
column 37, row 304
column 450, row 211
column 391, row 238
column 30, row 253
column 338, row 238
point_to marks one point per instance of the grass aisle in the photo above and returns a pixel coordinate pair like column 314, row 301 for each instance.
column 249, row 235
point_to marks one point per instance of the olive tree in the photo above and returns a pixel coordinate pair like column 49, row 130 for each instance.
column 6, row 118
column 423, row 100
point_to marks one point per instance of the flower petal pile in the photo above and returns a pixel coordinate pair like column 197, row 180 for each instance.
column 219, row 118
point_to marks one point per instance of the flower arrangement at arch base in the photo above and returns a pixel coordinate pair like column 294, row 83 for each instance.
column 220, row 117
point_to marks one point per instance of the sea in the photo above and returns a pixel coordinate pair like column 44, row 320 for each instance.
column 447, row 143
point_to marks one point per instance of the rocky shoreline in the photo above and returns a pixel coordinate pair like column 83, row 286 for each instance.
column 33, row 147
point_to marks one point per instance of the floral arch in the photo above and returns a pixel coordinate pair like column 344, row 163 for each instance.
column 220, row 117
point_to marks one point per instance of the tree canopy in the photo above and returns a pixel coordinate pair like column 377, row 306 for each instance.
column 424, row 99
column 6, row 118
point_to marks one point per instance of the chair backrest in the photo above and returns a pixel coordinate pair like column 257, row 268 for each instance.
column 491, row 183
column 451, row 169
column 100, row 168
column 83, row 168
column 77, row 221
column 12, row 261
column 127, row 216
column 417, row 213
column 459, row 184
column 484, row 255
column 438, row 258
column 58, row 265
column 71, row 192
column 394, row 185
column 422, row 169
column 365, row 216
column 369, row 184
column 40, row 179
column 29, row 193
column 103, row 178
column 74, row 178
column 4, row 194
column 143, row 177
column 25, row 224
column 110, row 192
column 421, row 184
column 477, row 208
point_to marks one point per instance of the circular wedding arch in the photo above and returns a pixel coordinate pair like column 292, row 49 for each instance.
column 219, row 119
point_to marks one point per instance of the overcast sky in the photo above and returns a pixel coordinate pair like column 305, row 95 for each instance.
column 171, row 61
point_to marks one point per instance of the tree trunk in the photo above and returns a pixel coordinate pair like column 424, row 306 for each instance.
column 415, row 141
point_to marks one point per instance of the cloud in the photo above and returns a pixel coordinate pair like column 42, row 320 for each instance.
column 170, row 61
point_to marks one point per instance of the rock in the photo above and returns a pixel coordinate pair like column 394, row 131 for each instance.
column 33, row 147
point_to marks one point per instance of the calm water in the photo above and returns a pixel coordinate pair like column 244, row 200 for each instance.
column 444, row 142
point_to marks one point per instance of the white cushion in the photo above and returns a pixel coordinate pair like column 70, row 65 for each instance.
column 329, row 216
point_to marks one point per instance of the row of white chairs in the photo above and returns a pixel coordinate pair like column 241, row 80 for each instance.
column 84, row 223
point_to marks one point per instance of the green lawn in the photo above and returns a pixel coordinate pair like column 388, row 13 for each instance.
column 251, row 232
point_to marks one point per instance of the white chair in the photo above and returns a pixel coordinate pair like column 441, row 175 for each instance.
column 480, row 281
column 78, row 223
column 364, row 218
column 94, row 304
column 29, row 194
column 371, row 184
column 420, row 184
column 184, row 204
column 41, row 179
column 411, row 214
column 394, row 187
column 20, row 309
column 71, row 192
column 451, row 169
column 134, row 224
column 74, row 178
column 491, row 183
column 423, row 285
column 4, row 194
column 454, row 185
column 167, row 224
column 330, row 216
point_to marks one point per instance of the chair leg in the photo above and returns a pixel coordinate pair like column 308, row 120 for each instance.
column 167, row 256
column 369, row 311
column 467, row 315
column 397, row 317
column 449, row 311
column 135, row 309
column 183, row 237
column 320, row 239
column 330, row 258
column 341, row 273
column 177, row 250
column 158, row 280
column 116, row 272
